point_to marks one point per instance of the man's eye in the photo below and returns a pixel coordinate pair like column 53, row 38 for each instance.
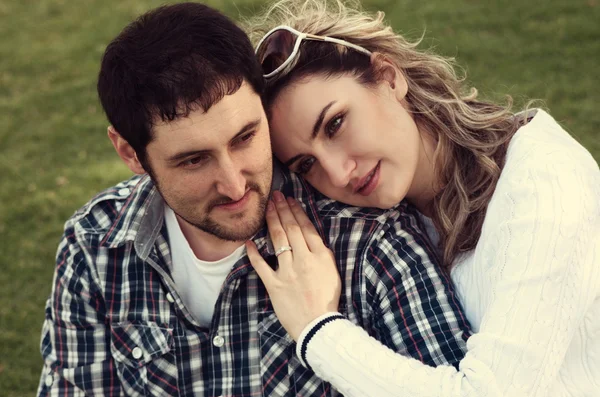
column 194, row 161
column 245, row 138
column 334, row 125
column 305, row 165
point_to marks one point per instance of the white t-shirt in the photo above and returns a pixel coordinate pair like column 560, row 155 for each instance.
column 198, row 282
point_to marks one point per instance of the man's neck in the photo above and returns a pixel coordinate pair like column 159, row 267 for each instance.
column 205, row 246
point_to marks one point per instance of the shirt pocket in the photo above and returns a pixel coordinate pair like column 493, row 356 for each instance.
column 281, row 370
column 144, row 358
column 277, row 352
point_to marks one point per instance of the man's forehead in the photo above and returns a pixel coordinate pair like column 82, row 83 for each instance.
column 194, row 118
column 188, row 136
column 231, row 111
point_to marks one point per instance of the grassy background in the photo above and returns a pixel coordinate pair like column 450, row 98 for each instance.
column 54, row 154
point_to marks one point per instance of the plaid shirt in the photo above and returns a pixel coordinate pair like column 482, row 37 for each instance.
column 115, row 324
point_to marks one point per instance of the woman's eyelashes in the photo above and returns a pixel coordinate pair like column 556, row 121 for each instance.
column 332, row 127
column 334, row 124
column 305, row 165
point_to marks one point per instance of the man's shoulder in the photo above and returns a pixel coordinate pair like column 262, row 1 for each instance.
column 400, row 226
column 379, row 231
column 400, row 217
column 100, row 213
column 292, row 185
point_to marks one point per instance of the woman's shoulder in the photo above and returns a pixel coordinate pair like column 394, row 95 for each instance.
column 545, row 160
column 545, row 201
column 548, row 179
column 541, row 144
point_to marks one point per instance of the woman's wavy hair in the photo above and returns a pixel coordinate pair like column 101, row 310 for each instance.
column 472, row 135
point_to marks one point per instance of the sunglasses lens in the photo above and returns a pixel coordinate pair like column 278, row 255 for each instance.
column 275, row 50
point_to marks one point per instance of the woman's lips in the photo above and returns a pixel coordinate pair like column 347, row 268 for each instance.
column 369, row 183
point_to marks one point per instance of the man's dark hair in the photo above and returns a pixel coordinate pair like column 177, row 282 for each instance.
column 168, row 62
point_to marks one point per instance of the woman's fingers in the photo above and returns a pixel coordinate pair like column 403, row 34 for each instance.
column 264, row 271
column 276, row 231
column 307, row 283
column 289, row 224
column 311, row 235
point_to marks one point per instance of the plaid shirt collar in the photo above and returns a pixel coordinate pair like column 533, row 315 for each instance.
column 143, row 228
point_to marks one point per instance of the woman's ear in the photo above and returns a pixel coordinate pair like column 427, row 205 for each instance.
column 389, row 74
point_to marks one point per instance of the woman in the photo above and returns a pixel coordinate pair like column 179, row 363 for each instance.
column 511, row 200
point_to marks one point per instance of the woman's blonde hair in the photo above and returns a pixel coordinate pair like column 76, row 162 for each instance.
column 472, row 135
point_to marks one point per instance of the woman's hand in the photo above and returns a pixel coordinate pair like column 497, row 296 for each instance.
column 306, row 284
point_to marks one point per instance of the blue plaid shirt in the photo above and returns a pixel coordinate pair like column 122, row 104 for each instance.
column 115, row 324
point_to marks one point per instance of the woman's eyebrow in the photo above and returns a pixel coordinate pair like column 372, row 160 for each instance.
column 320, row 119
column 315, row 132
column 293, row 160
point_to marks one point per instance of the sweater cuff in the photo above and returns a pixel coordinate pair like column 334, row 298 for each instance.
column 310, row 330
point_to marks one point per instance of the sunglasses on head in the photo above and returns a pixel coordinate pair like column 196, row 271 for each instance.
column 280, row 46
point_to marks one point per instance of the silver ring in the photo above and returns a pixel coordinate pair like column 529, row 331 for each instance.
column 283, row 249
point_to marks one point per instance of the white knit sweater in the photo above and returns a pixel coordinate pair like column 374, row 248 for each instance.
column 531, row 290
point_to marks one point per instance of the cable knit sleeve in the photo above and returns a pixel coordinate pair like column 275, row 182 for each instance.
column 536, row 274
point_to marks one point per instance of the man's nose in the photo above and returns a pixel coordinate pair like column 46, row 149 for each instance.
column 230, row 181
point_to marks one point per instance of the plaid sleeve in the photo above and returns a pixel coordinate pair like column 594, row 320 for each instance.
column 414, row 311
column 74, row 344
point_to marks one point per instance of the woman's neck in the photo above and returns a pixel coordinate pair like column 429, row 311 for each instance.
column 425, row 185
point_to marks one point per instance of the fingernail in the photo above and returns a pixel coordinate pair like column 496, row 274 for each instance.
column 278, row 196
column 269, row 205
column 291, row 201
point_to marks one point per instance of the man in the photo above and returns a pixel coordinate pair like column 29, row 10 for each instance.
column 153, row 292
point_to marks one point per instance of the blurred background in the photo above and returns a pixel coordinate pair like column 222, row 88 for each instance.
column 54, row 153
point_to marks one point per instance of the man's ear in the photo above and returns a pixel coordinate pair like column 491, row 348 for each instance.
column 389, row 74
column 125, row 151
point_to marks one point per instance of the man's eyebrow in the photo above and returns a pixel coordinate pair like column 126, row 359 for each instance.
column 183, row 155
column 320, row 119
column 248, row 127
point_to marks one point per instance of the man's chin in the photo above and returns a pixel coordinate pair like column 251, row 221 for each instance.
column 235, row 227
column 238, row 232
column 231, row 226
column 240, row 226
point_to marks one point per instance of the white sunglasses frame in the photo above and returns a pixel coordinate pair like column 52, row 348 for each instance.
column 299, row 38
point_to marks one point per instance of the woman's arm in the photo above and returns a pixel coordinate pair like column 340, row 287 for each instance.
column 542, row 247
column 543, row 242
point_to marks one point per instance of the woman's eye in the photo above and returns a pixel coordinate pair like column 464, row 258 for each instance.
column 334, row 125
column 305, row 165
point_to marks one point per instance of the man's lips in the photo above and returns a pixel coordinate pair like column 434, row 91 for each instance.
column 369, row 182
column 235, row 205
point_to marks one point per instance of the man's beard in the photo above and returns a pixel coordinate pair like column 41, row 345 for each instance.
column 248, row 226
column 240, row 232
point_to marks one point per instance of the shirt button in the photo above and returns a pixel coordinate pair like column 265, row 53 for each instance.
column 218, row 341
column 170, row 298
column 136, row 353
column 124, row 192
column 49, row 380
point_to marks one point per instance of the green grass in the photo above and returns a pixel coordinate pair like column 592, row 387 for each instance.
column 54, row 153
